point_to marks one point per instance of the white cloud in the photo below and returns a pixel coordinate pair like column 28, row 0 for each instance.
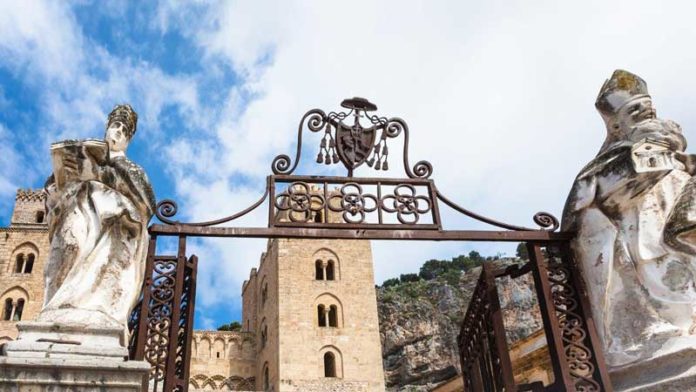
column 498, row 95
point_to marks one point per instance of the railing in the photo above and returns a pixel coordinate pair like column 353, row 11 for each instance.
column 577, row 362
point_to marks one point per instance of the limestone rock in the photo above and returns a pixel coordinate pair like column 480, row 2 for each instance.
column 419, row 323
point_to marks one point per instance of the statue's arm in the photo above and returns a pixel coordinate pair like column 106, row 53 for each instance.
column 581, row 196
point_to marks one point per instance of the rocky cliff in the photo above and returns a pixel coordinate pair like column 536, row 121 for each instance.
column 420, row 321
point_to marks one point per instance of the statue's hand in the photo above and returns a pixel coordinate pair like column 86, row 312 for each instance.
column 70, row 164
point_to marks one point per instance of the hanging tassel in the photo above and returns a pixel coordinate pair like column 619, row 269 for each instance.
column 370, row 162
column 335, row 158
column 378, row 165
column 385, row 166
column 320, row 158
column 384, row 150
column 327, row 159
column 323, row 143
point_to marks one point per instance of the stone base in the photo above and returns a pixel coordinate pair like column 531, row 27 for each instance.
column 52, row 340
column 68, row 374
column 675, row 372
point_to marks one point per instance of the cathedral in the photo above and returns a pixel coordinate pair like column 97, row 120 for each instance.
column 309, row 318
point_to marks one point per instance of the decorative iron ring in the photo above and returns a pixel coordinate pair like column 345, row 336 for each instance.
column 353, row 203
column 547, row 221
column 406, row 204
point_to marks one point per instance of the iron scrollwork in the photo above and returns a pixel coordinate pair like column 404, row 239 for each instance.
column 363, row 202
column 353, row 144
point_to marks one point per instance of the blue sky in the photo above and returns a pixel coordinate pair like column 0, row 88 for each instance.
column 498, row 95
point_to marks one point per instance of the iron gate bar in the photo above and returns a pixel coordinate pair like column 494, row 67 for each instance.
column 561, row 371
column 362, row 234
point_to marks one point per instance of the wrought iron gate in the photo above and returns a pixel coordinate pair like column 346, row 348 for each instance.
column 576, row 358
column 368, row 208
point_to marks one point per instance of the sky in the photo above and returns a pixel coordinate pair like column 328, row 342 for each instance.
column 498, row 95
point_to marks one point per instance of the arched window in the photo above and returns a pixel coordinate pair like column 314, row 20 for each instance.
column 39, row 216
column 329, row 365
column 264, row 336
column 19, row 266
column 330, row 270
column 29, row 265
column 7, row 313
column 321, row 311
column 264, row 293
column 318, row 270
column 266, row 381
column 18, row 310
column 333, row 316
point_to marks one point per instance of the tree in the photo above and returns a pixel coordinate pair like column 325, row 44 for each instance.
column 522, row 251
column 475, row 256
column 391, row 282
column 409, row 278
column 233, row 326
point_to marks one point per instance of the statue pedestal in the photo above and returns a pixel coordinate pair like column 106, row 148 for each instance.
column 63, row 357
column 675, row 372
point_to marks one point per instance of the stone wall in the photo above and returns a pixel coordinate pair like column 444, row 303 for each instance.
column 28, row 240
column 222, row 360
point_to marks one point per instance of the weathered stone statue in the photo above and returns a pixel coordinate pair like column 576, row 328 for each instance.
column 634, row 209
column 99, row 205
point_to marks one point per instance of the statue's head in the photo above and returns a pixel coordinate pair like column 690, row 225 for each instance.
column 121, row 127
column 624, row 102
column 628, row 112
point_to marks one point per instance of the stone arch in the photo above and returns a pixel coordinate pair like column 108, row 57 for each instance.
column 27, row 250
column 236, row 383
column 15, row 292
column 208, row 384
column 263, row 292
column 266, row 385
column 218, row 348
column 327, row 256
column 234, row 348
column 337, row 361
column 196, row 382
column 204, row 347
column 248, row 348
column 329, row 303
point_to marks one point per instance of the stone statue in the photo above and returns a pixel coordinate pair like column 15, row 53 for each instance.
column 633, row 208
column 99, row 205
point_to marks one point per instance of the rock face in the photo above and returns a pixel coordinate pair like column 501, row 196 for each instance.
column 419, row 323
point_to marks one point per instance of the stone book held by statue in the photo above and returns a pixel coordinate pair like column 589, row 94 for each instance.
column 78, row 160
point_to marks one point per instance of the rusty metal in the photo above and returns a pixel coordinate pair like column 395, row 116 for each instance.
column 163, row 321
column 576, row 358
column 375, row 208
column 484, row 355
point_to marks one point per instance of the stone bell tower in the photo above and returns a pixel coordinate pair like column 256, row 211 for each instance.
column 313, row 305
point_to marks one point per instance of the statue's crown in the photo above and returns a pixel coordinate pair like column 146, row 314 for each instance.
column 127, row 116
column 622, row 87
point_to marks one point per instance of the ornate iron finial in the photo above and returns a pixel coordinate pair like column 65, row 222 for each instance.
column 353, row 144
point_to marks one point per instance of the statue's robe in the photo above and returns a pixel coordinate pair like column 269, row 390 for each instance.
column 98, row 236
column 641, row 286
